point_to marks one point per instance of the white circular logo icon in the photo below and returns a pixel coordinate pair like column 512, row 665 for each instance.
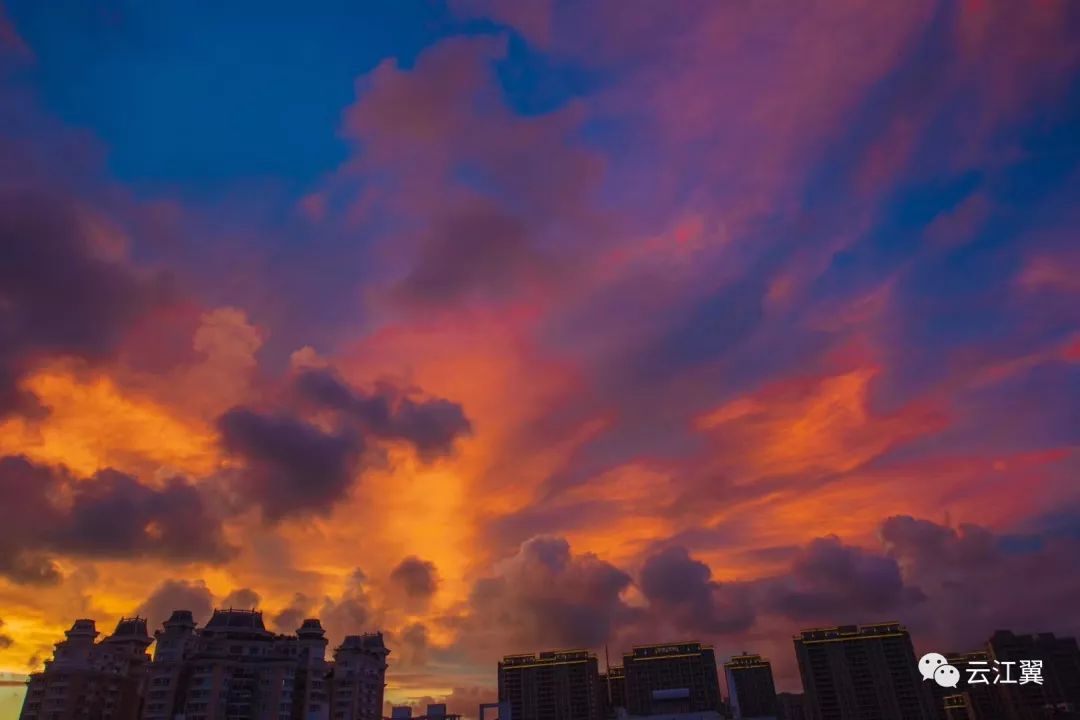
column 947, row 676
column 929, row 663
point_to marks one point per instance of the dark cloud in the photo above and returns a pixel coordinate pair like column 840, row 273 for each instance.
column 822, row 578
column 59, row 297
column 177, row 595
column 971, row 577
column 546, row 596
column 430, row 425
column 348, row 613
column 950, row 585
column 827, row 575
column 419, row 579
column 109, row 515
column 682, row 591
column 292, row 467
column 929, row 545
column 242, row 598
column 26, row 514
column 351, row 612
column 114, row 515
column 289, row 618
column 411, row 645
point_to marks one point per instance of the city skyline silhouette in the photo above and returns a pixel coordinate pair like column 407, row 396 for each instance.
column 498, row 326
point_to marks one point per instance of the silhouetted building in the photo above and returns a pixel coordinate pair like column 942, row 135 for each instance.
column 791, row 706
column 234, row 667
column 358, row 680
column 852, row 672
column 751, row 691
column 311, row 688
column 231, row 669
column 616, row 683
column 967, row 701
column 1059, row 693
column 169, row 675
column 654, row 674
column 238, row 663
column 92, row 680
column 557, row 685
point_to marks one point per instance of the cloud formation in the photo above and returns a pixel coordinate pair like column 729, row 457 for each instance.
column 290, row 466
column 681, row 589
column 173, row 594
column 243, row 598
column 965, row 572
column 109, row 515
column 633, row 322
column 64, row 295
column 827, row 574
column 545, row 595
column 350, row 612
column 419, row 579
column 431, row 425
column 294, row 466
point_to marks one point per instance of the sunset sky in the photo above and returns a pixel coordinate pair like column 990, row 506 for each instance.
column 508, row 326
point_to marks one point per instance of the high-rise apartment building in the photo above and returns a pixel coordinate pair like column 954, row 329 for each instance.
column 358, row 679
column 168, row 677
column 1059, row 691
column 678, row 677
column 233, row 668
column 92, row 680
column 968, row 701
column 853, row 672
column 791, row 706
column 557, row 685
column 751, row 689
column 616, row 688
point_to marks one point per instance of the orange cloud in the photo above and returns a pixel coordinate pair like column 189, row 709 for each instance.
column 811, row 425
column 94, row 424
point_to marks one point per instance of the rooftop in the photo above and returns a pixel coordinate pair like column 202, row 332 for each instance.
column 366, row 641
column 666, row 650
column 547, row 657
column 231, row 619
column 852, row 632
column 83, row 627
column 134, row 627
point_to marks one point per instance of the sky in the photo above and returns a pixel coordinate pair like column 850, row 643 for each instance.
column 512, row 326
